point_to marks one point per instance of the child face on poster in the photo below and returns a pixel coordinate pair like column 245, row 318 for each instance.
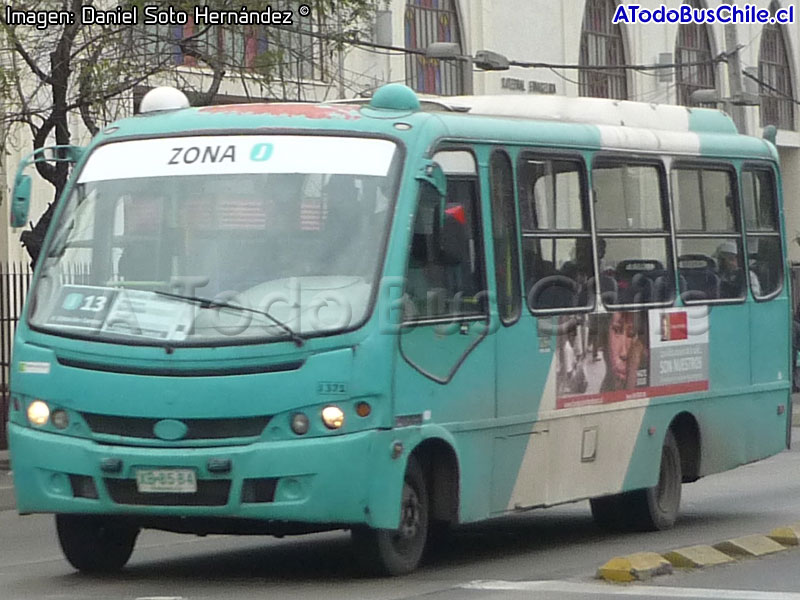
column 626, row 350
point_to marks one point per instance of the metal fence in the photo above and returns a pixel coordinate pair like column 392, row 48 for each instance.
column 15, row 279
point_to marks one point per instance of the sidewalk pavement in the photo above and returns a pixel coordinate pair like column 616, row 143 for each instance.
column 7, row 501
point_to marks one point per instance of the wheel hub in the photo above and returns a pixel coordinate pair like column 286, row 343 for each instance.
column 409, row 519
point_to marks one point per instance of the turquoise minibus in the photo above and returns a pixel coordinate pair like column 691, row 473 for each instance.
column 396, row 316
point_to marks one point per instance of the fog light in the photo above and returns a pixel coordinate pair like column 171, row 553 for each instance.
column 299, row 423
column 333, row 417
column 38, row 413
column 60, row 419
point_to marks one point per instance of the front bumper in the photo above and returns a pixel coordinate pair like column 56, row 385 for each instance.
column 331, row 480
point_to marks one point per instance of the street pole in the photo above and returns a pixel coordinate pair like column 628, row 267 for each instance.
column 734, row 77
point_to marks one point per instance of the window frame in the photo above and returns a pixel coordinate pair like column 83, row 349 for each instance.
column 667, row 232
column 548, row 154
column 615, row 82
column 775, row 70
column 711, row 165
column 685, row 84
column 423, row 25
column 514, row 236
column 480, row 253
column 778, row 233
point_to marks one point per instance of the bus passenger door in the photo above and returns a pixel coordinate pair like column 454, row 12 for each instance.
column 445, row 339
column 766, row 277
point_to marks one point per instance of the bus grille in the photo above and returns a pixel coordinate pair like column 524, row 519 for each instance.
column 198, row 429
column 210, row 492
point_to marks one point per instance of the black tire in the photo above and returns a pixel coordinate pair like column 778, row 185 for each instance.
column 608, row 511
column 440, row 534
column 650, row 509
column 398, row 552
column 656, row 508
column 94, row 544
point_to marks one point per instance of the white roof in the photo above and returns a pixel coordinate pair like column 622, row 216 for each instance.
column 595, row 111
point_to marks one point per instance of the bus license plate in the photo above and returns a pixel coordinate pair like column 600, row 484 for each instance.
column 181, row 481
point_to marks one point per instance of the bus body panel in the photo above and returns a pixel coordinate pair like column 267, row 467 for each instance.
column 323, row 480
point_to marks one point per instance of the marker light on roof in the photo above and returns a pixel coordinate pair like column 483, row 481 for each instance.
column 163, row 98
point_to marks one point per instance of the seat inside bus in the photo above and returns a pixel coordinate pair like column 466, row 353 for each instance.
column 643, row 280
column 698, row 277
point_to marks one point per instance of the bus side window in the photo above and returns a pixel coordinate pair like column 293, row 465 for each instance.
column 632, row 220
column 557, row 251
column 763, row 235
column 711, row 263
column 504, row 236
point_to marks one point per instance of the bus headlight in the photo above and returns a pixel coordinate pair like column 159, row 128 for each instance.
column 38, row 413
column 333, row 417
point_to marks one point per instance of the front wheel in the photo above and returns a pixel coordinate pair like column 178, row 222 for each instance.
column 398, row 551
column 95, row 544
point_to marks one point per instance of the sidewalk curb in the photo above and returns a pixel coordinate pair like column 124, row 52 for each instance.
column 697, row 557
column 749, row 545
column 788, row 536
column 634, row 567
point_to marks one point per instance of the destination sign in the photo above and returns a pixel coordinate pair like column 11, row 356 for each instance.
column 222, row 155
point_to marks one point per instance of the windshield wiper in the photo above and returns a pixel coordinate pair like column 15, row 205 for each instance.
column 210, row 303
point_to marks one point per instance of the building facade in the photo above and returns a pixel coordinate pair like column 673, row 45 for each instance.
column 577, row 48
column 580, row 33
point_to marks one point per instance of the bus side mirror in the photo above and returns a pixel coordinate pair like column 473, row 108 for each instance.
column 434, row 189
column 21, row 196
column 20, row 200
column 432, row 174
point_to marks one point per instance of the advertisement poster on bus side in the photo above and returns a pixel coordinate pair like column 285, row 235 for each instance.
column 625, row 355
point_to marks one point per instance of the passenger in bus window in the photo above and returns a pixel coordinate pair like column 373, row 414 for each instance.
column 732, row 274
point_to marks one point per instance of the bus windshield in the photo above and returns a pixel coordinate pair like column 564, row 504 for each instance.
column 289, row 226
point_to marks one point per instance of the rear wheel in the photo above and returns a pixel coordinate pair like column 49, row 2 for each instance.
column 398, row 551
column 656, row 508
column 95, row 544
column 650, row 509
column 608, row 511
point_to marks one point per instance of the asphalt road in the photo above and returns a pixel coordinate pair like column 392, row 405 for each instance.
column 551, row 553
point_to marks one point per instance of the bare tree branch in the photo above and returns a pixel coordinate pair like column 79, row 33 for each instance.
column 49, row 76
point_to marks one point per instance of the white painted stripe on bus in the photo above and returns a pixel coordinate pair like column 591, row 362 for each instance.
column 599, row 589
column 552, row 469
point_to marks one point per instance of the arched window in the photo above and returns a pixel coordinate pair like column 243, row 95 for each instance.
column 428, row 21
column 602, row 45
column 776, row 79
column 696, row 71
